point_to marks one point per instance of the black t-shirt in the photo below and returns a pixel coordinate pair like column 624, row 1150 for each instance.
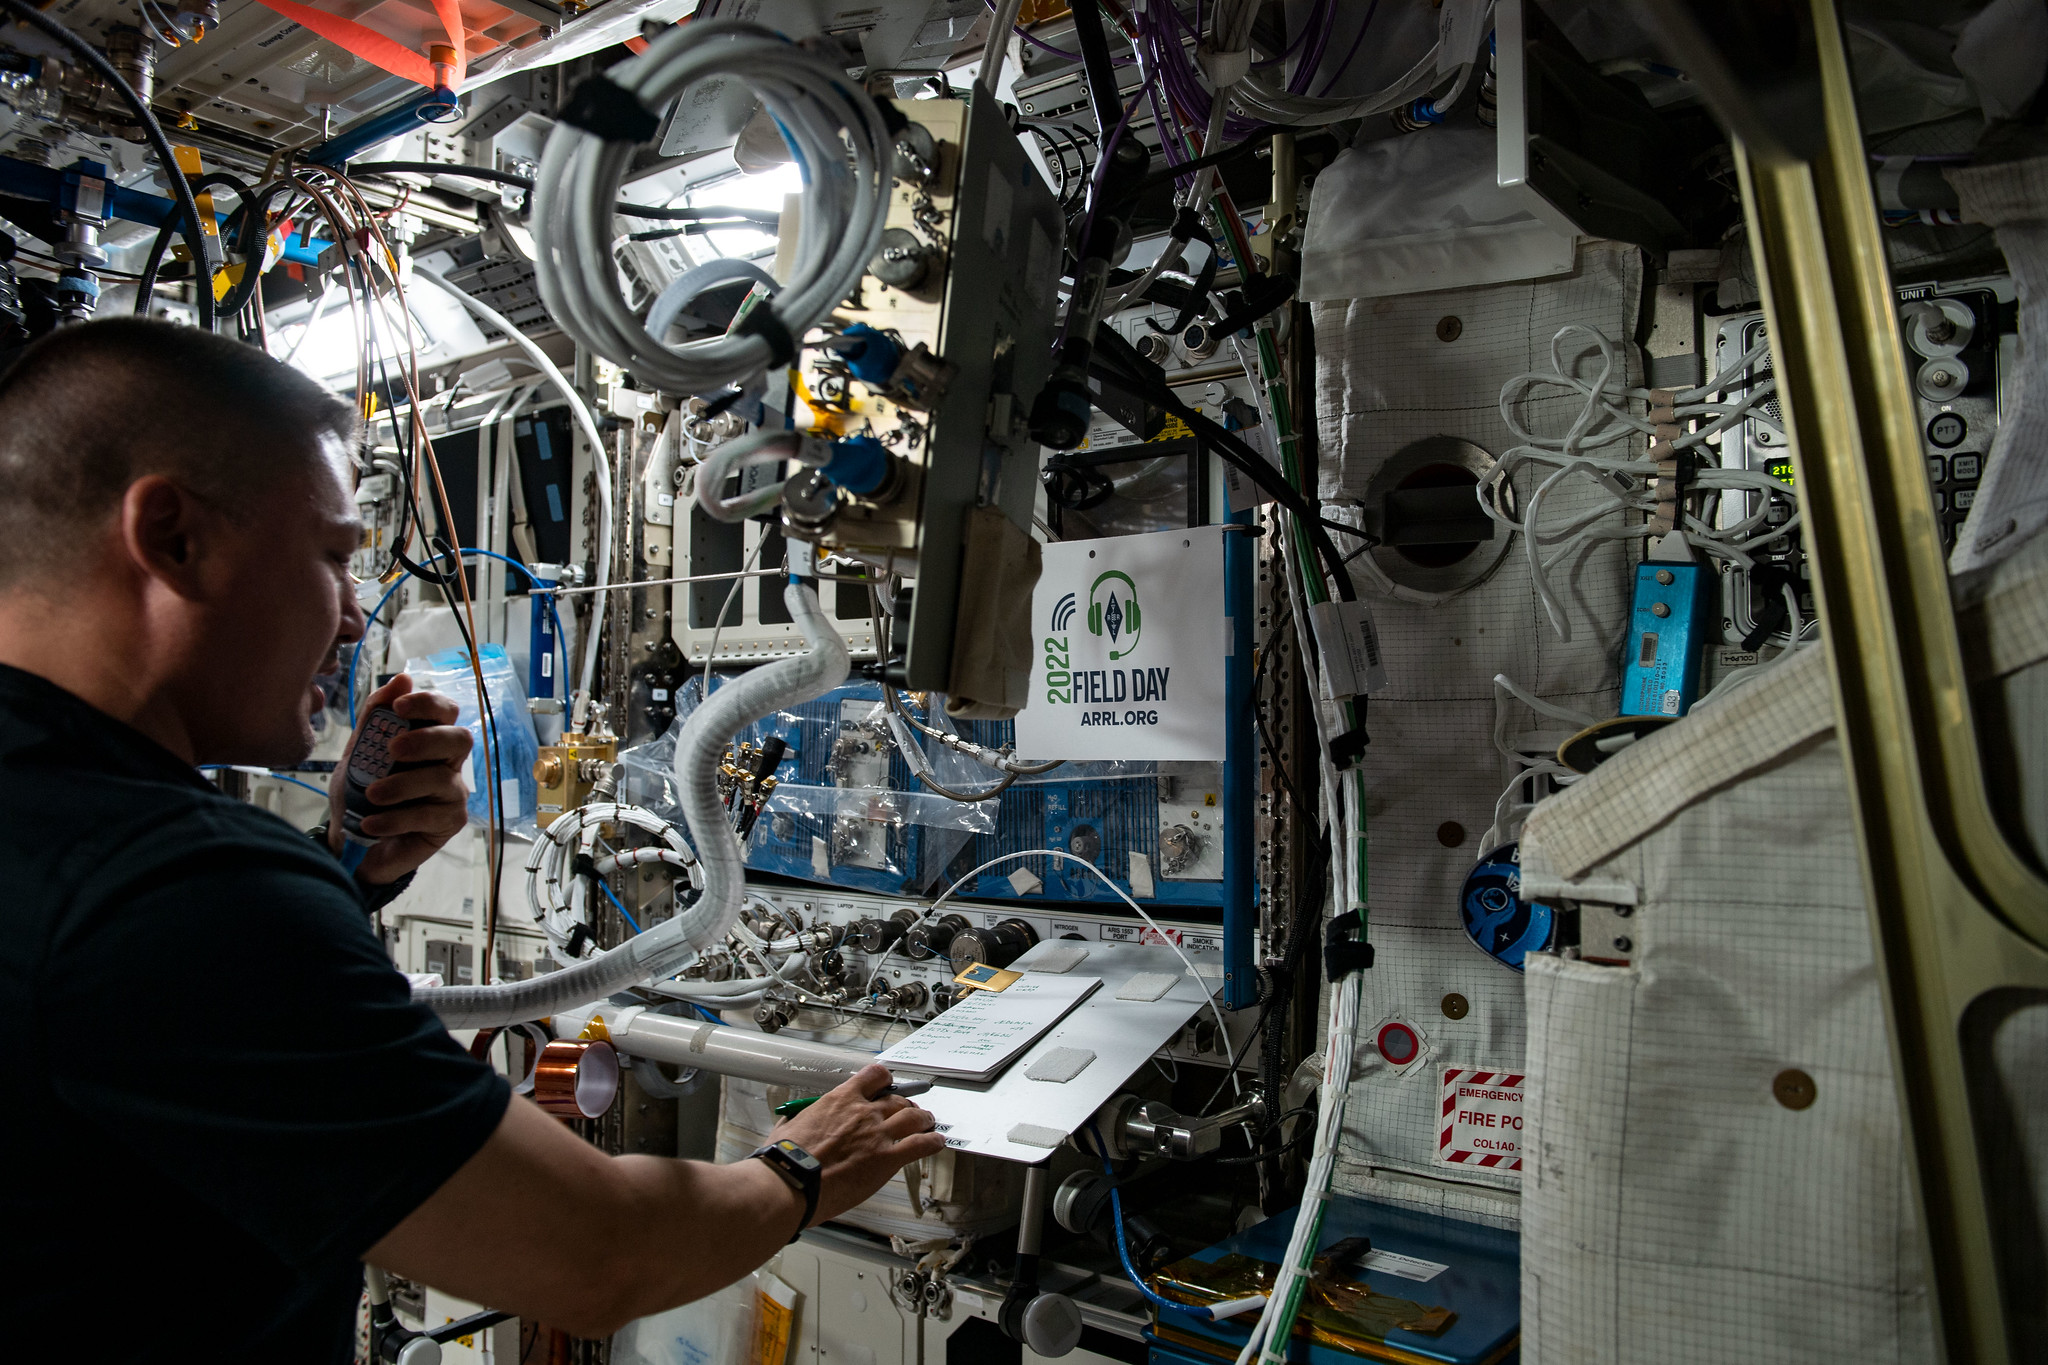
column 220, row 1092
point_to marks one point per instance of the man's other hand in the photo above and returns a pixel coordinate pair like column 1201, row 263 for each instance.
column 429, row 805
column 860, row 1140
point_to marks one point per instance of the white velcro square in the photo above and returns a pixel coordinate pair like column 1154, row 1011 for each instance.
column 1061, row 958
column 1061, row 1064
column 1148, row 986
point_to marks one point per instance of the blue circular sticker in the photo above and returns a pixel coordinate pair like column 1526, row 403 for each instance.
column 1496, row 917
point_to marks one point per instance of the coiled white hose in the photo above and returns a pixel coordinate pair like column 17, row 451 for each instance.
column 667, row 947
column 552, row 881
column 841, row 145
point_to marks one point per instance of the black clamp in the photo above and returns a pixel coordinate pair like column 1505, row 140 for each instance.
column 1260, row 296
column 1186, row 228
column 603, row 107
column 1343, row 952
column 763, row 323
column 1347, row 750
column 579, row 934
column 727, row 396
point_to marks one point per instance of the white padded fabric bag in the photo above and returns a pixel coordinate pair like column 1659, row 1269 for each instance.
column 1674, row 1208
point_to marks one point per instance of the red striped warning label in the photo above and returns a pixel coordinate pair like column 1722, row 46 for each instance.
column 1481, row 1119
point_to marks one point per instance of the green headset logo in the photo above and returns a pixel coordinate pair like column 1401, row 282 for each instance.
column 1120, row 617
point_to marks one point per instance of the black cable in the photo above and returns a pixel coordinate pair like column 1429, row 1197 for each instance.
column 158, row 143
column 1251, row 142
column 1292, row 956
column 486, row 713
column 693, row 229
column 1117, row 364
column 521, row 182
column 1105, row 98
column 1282, row 1150
column 250, row 228
column 145, row 287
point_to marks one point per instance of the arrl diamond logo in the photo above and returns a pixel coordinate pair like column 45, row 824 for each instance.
column 1113, row 616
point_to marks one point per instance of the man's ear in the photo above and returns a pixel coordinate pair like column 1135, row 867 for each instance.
column 166, row 533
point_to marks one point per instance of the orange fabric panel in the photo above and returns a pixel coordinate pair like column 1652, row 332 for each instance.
column 363, row 41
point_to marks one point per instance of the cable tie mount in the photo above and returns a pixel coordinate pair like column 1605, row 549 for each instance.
column 1343, row 953
column 606, row 109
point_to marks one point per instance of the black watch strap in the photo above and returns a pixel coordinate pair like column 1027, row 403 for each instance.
column 376, row 897
column 800, row 1168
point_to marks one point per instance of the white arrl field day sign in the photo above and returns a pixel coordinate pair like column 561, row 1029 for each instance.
column 1131, row 644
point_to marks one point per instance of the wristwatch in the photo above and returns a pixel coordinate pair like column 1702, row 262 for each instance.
column 800, row 1169
column 376, row 897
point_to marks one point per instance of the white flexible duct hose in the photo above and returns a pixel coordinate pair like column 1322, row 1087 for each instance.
column 600, row 464
column 663, row 950
column 846, row 201
column 738, row 704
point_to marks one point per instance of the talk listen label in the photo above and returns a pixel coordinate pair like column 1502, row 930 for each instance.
column 1130, row 642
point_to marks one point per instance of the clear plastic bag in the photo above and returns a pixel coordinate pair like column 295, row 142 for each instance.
column 448, row 672
column 847, row 808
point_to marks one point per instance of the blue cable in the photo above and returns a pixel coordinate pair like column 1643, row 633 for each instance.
column 561, row 645
column 706, row 1013
column 400, row 581
column 357, row 652
column 281, row 777
column 1123, row 1251
column 533, row 584
column 616, row 904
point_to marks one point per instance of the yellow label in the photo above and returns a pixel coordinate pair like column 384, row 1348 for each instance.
column 983, row 977
column 772, row 1323
column 188, row 162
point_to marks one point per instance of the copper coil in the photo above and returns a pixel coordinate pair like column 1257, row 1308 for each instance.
column 576, row 1080
column 534, row 1037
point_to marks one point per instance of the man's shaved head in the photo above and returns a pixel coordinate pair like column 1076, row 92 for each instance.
column 89, row 409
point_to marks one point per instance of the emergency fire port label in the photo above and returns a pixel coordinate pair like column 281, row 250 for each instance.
column 1481, row 1119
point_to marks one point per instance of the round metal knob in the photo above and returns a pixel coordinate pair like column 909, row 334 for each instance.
column 1052, row 1325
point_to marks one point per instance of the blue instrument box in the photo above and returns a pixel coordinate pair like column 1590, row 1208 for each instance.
column 1667, row 632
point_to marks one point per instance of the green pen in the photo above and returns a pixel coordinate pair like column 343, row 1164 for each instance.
column 907, row 1086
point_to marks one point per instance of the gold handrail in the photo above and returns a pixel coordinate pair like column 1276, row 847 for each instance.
column 1956, row 914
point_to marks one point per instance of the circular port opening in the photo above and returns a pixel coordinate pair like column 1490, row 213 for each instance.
column 1438, row 476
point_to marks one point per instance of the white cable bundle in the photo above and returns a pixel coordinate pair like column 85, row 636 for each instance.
column 822, row 115
column 1603, row 420
column 553, row 884
column 1263, row 97
column 1344, row 795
